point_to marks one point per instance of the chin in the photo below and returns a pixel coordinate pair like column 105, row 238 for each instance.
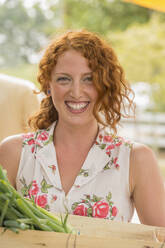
column 79, row 122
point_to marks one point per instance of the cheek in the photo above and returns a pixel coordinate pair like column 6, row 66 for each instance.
column 57, row 97
column 94, row 94
column 58, row 92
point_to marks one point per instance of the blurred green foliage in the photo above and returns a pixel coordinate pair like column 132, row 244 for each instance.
column 141, row 50
column 102, row 16
column 26, row 71
column 25, row 28
column 136, row 33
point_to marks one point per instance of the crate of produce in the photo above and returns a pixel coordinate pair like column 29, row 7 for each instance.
column 91, row 233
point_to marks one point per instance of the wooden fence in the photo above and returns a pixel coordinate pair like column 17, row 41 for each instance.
column 147, row 128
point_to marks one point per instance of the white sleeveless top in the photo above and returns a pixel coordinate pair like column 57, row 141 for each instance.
column 101, row 188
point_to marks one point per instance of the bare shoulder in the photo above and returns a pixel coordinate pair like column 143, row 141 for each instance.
column 12, row 144
column 147, row 186
column 141, row 153
column 143, row 163
column 10, row 153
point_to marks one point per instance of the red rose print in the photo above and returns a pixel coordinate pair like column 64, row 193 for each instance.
column 110, row 147
column 31, row 142
column 115, row 163
column 117, row 166
column 37, row 143
column 32, row 150
column 100, row 209
column 107, row 138
column 108, row 153
column 33, row 189
column 115, row 160
column 28, row 135
column 41, row 200
column 80, row 210
column 114, row 211
column 53, row 167
column 77, row 186
column 43, row 136
column 54, row 197
column 118, row 144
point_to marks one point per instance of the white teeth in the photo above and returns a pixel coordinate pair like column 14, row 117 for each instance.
column 77, row 106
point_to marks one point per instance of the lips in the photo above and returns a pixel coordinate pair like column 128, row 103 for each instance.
column 77, row 107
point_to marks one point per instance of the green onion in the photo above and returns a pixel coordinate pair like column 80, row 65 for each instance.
column 17, row 212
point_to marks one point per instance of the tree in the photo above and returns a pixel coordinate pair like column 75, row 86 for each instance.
column 101, row 16
column 22, row 32
column 141, row 51
column 136, row 33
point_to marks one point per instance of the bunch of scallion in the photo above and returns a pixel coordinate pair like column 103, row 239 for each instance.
column 17, row 212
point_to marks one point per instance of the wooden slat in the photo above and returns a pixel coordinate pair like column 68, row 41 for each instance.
column 103, row 228
column 40, row 239
column 93, row 233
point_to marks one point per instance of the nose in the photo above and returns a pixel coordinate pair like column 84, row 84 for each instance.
column 76, row 89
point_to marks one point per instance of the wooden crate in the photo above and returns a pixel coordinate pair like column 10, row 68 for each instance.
column 92, row 233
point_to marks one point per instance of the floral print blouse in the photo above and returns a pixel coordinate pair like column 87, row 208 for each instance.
column 101, row 188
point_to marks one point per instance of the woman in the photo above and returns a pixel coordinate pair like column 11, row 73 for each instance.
column 73, row 161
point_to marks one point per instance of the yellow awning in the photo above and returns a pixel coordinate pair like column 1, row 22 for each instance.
column 153, row 4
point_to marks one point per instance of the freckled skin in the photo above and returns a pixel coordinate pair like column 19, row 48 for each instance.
column 72, row 83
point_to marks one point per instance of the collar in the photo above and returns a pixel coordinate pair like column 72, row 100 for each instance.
column 98, row 156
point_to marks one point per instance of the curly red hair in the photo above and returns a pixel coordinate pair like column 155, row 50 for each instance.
column 108, row 78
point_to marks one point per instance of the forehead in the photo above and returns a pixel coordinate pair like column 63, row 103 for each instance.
column 71, row 60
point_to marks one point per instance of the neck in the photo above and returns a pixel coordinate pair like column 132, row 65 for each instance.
column 75, row 136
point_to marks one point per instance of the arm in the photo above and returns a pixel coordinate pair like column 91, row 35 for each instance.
column 10, row 153
column 147, row 186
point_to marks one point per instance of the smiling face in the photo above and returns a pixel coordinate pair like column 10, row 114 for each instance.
column 72, row 90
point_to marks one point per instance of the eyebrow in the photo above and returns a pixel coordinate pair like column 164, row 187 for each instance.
column 66, row 74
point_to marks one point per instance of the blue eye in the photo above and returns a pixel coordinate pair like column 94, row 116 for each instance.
column 62, row 79
column 88, row 79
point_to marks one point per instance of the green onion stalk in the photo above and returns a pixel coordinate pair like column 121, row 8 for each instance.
column 18, row 213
